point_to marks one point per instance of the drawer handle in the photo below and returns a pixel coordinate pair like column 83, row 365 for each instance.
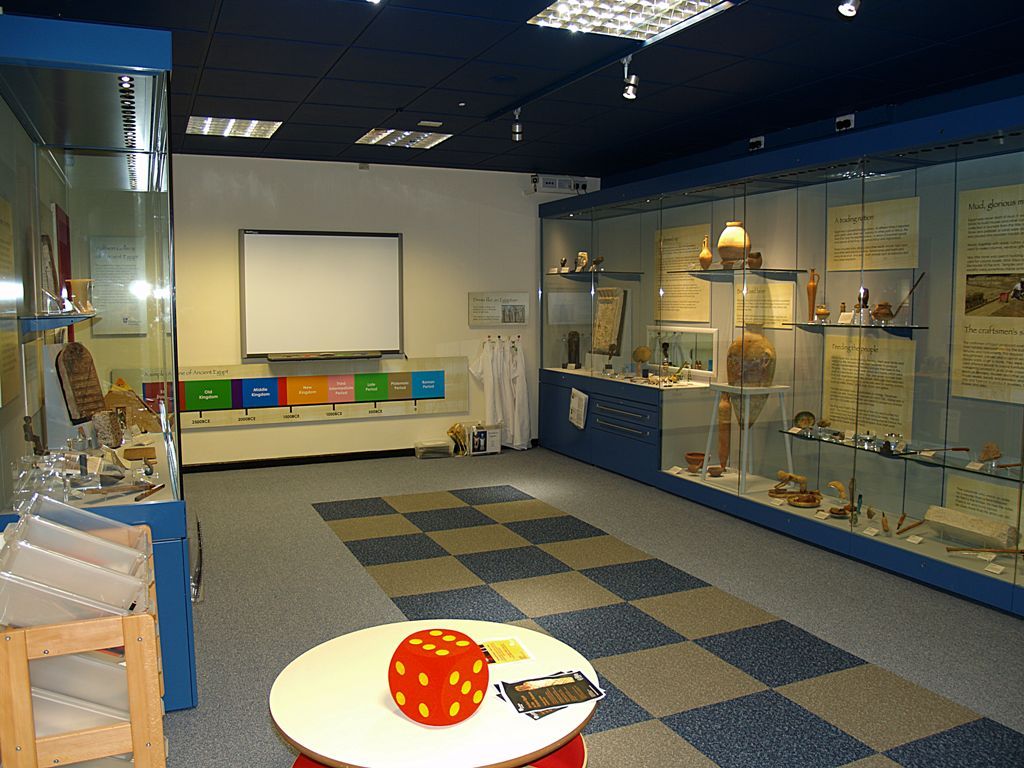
column 620, row 412
column 622, row 428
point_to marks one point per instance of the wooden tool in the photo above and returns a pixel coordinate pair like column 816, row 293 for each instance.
column 114, row 489
column 1017, row 552
column 907, row 297
column 900, row 531
column 140, row 452
column 149, row 492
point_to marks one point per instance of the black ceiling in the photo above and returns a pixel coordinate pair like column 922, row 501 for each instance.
column 333, row 69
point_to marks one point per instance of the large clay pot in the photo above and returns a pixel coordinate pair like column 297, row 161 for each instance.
column 705, row 255
column 733, row 245
column 724, row 430
column 750, row 361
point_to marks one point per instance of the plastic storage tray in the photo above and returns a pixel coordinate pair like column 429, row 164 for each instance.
column 79, row 578
column 132, row 536
column 81, row 546
column 25, row 603
column 93, row 676
column 55, row 713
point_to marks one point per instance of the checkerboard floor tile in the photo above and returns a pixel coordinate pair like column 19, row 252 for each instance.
column 694, row 677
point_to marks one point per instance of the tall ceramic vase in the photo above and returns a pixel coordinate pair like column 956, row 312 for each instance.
column 750, row 361
column 705, row 255
column 733, row 245
column 812, row 292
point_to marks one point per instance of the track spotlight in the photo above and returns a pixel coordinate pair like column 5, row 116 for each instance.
column 517, row 126
column 849, row 8
column 631, row 81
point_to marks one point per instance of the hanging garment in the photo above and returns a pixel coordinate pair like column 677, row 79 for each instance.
column 483, row 370
column 505, row 394
column 521, row 398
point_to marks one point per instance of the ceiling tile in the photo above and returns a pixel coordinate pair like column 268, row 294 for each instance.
column 183, row 79
column 337, row 134
column 443, row 34
column 755, row 77
column 556, row 48
column 501, row 129
column 254, row 85
column 181, row 14
column 326, row 114
column 502, row 10
column 355, row 93
column 489, row 146
column 407, row 119
column 302, row 149
column 316, row 21
column 441, row 101
column 440, row 156
column 684, row 100
column 672, row 65
column 261, row 54
column 188, row 47
column 508, row 79
column 554, row 110
column 374, row 153
column 376, row 66
column 220, row 145
column 252, row 109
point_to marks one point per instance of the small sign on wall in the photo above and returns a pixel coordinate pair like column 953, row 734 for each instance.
column 493, row 309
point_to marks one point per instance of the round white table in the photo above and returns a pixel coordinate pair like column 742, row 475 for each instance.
column 332, row 703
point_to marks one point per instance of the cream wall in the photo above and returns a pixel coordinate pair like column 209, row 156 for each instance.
column 463, row 231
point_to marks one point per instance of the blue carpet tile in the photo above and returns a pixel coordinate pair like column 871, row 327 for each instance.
column 396, row 549
column 766, row 730
column 981, row 744
column 608, row 631
column 508, row 564
column 615, row 710
column 480, row 603
column 759, row 730
column 493, row 494
column 551, row 529
column 446, row 519
column 342, row 510
column 779, row 653
column 646, row 578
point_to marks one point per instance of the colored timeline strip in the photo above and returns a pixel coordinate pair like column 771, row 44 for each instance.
column 278, row 391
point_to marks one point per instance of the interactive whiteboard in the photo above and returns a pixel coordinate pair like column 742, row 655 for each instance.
column 308, row 295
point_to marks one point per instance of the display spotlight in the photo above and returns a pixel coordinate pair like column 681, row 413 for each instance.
column 631, row 81
column 849, row 8
column 517, row 127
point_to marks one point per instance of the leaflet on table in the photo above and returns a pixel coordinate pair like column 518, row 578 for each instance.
column 503, row 651
column 551, row 692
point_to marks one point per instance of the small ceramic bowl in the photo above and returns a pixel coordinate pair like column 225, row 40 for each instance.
column 694, row 460
column 716, row 471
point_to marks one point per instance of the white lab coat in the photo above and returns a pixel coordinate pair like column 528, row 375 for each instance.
column 501, row 368
column 521, row 398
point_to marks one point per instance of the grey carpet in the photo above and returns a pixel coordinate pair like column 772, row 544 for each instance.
column 278, row 582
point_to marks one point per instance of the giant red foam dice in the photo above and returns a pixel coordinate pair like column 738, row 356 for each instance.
column 438, row 676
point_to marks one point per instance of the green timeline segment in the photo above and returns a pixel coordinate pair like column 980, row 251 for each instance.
column 277, row 391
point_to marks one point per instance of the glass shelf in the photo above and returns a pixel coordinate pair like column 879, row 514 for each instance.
column 718, row 272
column 588, row 273
column 945, row 460
column 33, row 323
column 903, row 330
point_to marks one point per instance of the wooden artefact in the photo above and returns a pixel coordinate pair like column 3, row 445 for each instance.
column 912, row 526
column 137, row 413
column 438, row 676
column 139, row 452
column 108, row 429
column 990, row 452
column 812, row 292
column 724, row 431
column 142, row 735
column 909, row 294
column 971, row 529
column 79, row 382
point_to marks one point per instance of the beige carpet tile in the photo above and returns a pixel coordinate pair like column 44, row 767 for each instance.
column 644, row 745
column 875, row 761
column 420, row 502
column 594, row 552
column 556, row 593
column 702, row 612
column 675, row 678
column 415, row 577
column 356, row 528
column 513, row 511
column 479, row 538
column 530, row 624
column 877, row 707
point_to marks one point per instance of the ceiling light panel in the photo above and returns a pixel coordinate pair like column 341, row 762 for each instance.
column 234, row 127
column 640, row 20
column 393, row 137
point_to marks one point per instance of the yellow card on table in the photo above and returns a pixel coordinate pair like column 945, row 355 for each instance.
column 504, row 651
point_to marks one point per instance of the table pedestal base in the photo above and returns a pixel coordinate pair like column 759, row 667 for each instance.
column 572, row 755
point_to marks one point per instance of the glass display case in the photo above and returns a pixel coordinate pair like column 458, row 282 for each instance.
column 87, row 337
column 866, row 386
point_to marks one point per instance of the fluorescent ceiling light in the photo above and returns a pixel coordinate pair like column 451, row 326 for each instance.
column 236, row 127
column 430, row 123
column 638, row 20
column 395, row 137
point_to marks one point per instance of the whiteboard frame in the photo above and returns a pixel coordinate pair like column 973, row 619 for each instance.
column 332, row 354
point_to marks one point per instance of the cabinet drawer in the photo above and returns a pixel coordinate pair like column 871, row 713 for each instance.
column 638, row 415
column 623, row 428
